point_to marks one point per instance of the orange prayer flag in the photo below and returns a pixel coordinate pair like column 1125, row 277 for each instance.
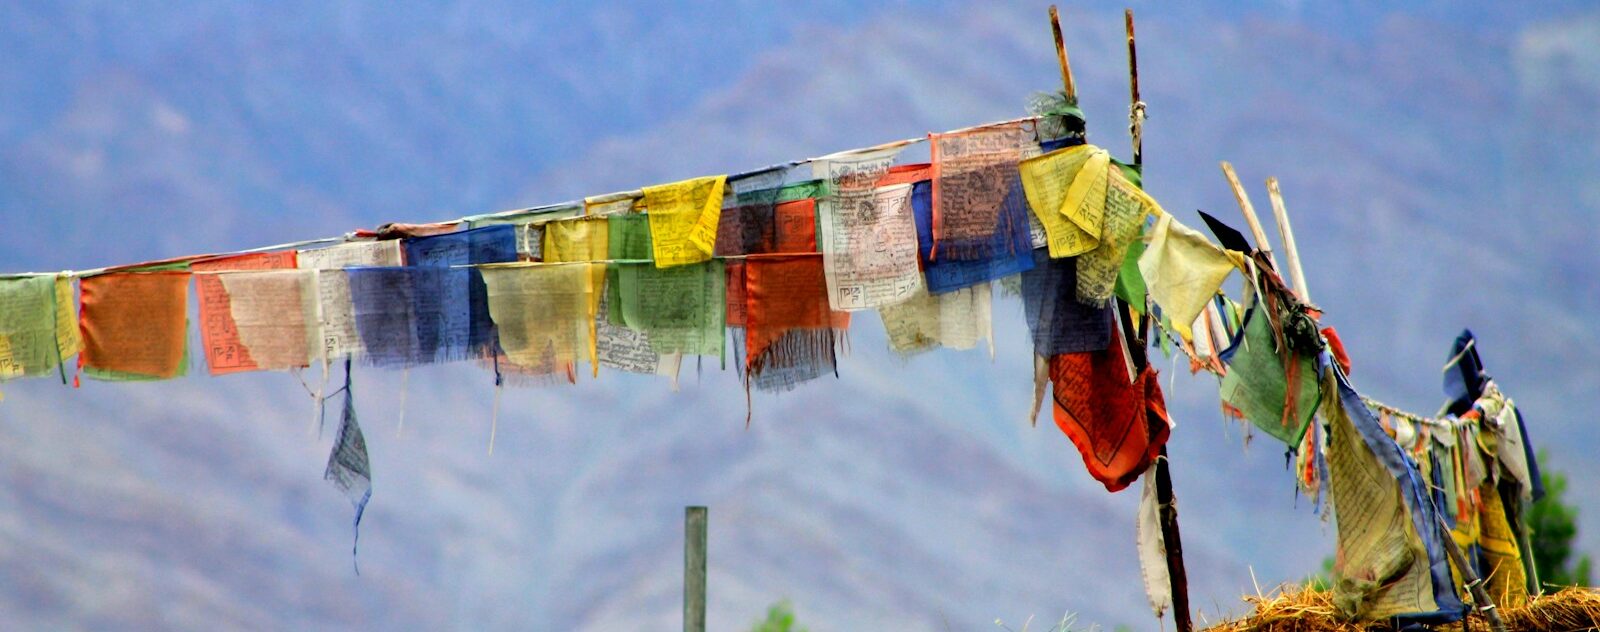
column 134, row 322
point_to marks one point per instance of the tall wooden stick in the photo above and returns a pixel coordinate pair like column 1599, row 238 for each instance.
column 1249, row 211
column 694, row 569
column 1135, row 106
column 1286, row 233
column 1061, row 57
column 1170, row 536
column 1475, row 584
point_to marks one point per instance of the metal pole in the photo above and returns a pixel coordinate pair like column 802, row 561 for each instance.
column 694, row 569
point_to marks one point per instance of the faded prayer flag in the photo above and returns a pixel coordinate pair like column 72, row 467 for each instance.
column 974, row 175
column 404, row 316
column 1182, row 271
column 543, row 313
column 348, row 466
column 31, row 310
column 219, row 333
column 1058, row 322
column 948, row 274
column 1267, row 384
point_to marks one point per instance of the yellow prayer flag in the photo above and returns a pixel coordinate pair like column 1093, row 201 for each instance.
column 1066, row 191
column 1182, row 271
column 68, row 341
column 683, row 219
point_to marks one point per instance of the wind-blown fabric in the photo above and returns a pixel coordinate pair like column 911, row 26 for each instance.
column 975, row 216
column 680, row 309
column 948, row 273
column 1182, row 271
column 683, row 219
column 1103, row 212
column 1272, row 387
column 1391, row 559
column 1058, row 322
column 134, row 325
column 953, row 320
column 219, row 332
column 33, row 310
column 543, row 313
column 349, row 469
column 490, row 244
column 405, row 317
column 1118, row 426
column 790, row 332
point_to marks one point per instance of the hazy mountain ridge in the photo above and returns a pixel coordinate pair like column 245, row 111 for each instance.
column 161, row 506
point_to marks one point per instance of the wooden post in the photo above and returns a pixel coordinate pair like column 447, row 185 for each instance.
column 1071, row 88
column 1286, row 233
column 694, row 569
column 1249, row 211
column 1170, row 536
column 1479, row 595
column 1135, row 106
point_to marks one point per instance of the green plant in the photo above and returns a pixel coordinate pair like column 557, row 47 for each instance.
column 780, row 618
column 1554, row 525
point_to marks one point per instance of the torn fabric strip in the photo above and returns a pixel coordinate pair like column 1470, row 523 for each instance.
column 134, row 325
column 349, row 469
column 1153, row 547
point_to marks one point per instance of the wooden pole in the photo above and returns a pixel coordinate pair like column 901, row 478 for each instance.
column 1135, row 105
column 1479, row 595
column 1249, row 211
column 1070, row 87
column 1165, row 498
column 1286, row 233
column 694, row 569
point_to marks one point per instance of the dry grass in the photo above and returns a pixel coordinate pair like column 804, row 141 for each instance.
column 1294, row 609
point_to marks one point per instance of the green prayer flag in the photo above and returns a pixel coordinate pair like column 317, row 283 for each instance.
column 28, row 326
column 1130, row 282
column 1258, row 384
column 786, row 193
column 681, row 309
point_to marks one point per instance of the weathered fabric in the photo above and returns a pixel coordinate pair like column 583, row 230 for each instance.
column 869, row 248
column 1152, row 547
column 953, row 320
column 582, row 239
column 974, row 175
column 31, row 315
column 543, row 313
column 680, row 309
column 134, row 325
column 1089, row 209
column 1267, row 384
column 1182, row 271
column 349, row 469
column 683, row 219
column 789, row 329
column 271, row 321
column 405, row 316
column 1407, row 561
column 1118, row 426
column 1058, row 322
column 489, row 244
column 219, row 333
column 947, row 273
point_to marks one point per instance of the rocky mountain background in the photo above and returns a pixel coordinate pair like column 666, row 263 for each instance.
column 1438, row 160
